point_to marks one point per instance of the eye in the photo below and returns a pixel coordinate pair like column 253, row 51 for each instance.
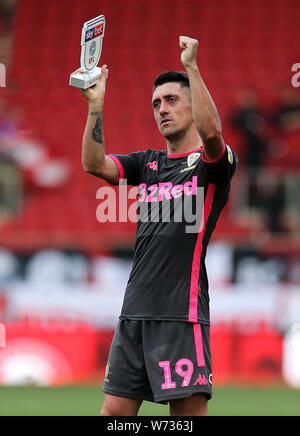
column 172, row 99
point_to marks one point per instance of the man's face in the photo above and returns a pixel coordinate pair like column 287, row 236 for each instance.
column 172, row 109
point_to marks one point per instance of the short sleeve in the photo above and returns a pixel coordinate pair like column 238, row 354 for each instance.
column 129, row 166
column 221, row 170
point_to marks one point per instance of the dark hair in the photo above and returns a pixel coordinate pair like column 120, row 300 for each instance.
column 172, row 76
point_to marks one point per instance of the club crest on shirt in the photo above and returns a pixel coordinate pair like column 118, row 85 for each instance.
column 192, row 159
column 230, row 155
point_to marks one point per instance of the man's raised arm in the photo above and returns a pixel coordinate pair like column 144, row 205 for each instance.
column 205, row 113
column 94, row 159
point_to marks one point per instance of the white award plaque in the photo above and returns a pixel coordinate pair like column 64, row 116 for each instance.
column 91, row 47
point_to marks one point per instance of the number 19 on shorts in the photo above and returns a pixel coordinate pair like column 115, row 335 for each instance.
column 185, row 369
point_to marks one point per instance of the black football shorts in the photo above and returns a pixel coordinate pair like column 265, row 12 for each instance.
column 159, row 361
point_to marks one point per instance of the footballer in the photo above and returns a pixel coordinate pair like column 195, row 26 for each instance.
column 161, row 348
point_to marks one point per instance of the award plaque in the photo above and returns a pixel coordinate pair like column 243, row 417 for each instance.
column 91, row 47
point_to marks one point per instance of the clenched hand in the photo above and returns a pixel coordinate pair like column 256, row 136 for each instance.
column 190, row 50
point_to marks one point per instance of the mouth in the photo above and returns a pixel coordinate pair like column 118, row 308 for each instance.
column 163, row 122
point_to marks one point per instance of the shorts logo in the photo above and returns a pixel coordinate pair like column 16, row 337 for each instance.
column 107, row 373
column 201, row 380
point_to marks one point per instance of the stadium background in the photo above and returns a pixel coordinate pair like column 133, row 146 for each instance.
column 63, row 274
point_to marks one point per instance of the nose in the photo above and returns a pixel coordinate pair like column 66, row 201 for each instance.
column 163, row 110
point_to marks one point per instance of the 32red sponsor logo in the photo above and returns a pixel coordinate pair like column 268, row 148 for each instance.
column 166, row 191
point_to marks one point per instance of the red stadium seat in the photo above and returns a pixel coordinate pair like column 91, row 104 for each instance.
column 239, row 44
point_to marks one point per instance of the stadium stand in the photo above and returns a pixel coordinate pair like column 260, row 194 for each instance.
column 238, row 48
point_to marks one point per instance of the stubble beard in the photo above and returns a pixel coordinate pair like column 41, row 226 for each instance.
column 175, row 136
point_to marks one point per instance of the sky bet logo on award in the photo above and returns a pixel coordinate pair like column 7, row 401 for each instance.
column 91, row 47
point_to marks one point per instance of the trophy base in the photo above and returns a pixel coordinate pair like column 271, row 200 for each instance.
column 85, row 80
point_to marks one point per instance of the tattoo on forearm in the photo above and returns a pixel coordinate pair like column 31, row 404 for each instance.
column 95, row 114
column 97, row 133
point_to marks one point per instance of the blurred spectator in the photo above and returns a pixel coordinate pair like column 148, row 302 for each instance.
column 267, row 197
column 8, row 266
column 273, row 205
column 219, row 263
column 7, row 10
column 248, row 118
column 31, row 156
column 8, row 121
column 287, row 114
column 57, row 267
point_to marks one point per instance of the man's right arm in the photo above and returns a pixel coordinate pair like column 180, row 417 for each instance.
column 94, row 159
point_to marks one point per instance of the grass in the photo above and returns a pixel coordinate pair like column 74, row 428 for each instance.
column 87, row 401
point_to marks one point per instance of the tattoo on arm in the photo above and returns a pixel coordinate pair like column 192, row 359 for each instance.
column 97, row 133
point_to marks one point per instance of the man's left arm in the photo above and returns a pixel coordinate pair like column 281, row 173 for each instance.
column 205, row 113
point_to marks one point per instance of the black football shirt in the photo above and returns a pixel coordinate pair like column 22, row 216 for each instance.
column 180, row 198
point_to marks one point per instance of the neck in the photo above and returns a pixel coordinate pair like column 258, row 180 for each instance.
column 184, row 142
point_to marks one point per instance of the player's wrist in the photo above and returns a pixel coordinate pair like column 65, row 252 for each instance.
column 191, row 66
column 95, row 106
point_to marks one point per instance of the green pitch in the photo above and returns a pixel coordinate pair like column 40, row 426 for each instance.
column 87, row 401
